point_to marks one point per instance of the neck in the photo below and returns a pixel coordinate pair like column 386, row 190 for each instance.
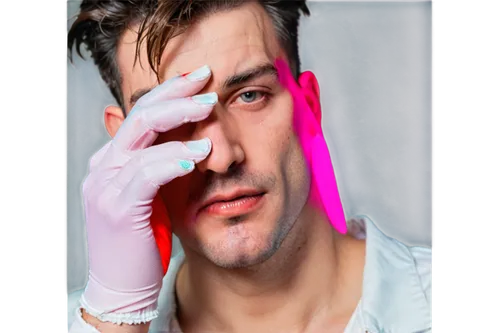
column 313, row 281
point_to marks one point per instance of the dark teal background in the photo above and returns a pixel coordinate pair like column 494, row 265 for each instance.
column 373, row 62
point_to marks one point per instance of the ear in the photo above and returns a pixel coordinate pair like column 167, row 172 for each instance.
column 310, row 88
column 113, row 119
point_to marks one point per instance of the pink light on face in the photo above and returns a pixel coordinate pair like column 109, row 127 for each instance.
column 324, row 189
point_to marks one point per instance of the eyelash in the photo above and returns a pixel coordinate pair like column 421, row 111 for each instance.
column 261, row 102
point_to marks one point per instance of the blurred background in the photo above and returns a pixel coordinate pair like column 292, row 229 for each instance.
column 373, row 63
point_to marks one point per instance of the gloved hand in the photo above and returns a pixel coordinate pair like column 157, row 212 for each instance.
column 125, row 267
column 307, row 126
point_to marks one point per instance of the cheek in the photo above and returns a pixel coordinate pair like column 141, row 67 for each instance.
column 293, row 166
column 276, row 149
column 284, row 149
column 269, row 132
column 297, row 168
column 296, row 180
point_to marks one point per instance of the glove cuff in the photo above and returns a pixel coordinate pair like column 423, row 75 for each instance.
column 128, row 306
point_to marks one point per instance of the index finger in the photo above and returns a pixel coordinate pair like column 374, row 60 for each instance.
column 141, row 129
column 163, row 108
column 177, row 87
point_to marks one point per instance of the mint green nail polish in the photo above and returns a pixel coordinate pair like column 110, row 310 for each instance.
column 200, row 74
column 202, row 146
column 186, row 165
column 206, row 99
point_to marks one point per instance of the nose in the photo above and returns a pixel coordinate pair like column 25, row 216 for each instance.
column 227, row 151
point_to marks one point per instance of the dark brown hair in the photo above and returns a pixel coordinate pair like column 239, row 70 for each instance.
column 101, row 23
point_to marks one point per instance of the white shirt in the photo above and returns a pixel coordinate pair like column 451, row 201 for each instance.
column 396, row 295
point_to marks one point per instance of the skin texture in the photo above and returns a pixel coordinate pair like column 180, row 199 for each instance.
column 281, row 268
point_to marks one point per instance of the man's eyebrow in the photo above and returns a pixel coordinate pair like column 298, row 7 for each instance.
column 230, row 82
column 138, row 94
column 249, row 75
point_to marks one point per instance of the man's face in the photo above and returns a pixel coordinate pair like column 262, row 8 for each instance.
column 255, row 153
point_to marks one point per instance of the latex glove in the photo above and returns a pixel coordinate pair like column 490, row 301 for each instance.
column 125, row 268
column 308, row 129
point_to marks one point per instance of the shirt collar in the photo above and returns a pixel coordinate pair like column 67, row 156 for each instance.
column 394, row 299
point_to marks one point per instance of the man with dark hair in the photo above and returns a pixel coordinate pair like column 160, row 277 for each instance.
column 215, row 139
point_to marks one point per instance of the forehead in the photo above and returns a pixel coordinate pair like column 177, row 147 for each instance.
column 229, row 42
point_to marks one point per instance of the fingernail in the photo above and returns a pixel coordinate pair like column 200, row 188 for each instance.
column 186, row 165
column 206, row 99
column 202, row 146
column 198, row 75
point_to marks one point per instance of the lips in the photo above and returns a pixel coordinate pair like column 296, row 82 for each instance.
column 237, row 203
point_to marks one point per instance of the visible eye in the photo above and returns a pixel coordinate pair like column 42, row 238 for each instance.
column 251, row 96
column 251, row 100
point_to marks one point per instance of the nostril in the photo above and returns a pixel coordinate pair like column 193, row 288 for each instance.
column 232, row 167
